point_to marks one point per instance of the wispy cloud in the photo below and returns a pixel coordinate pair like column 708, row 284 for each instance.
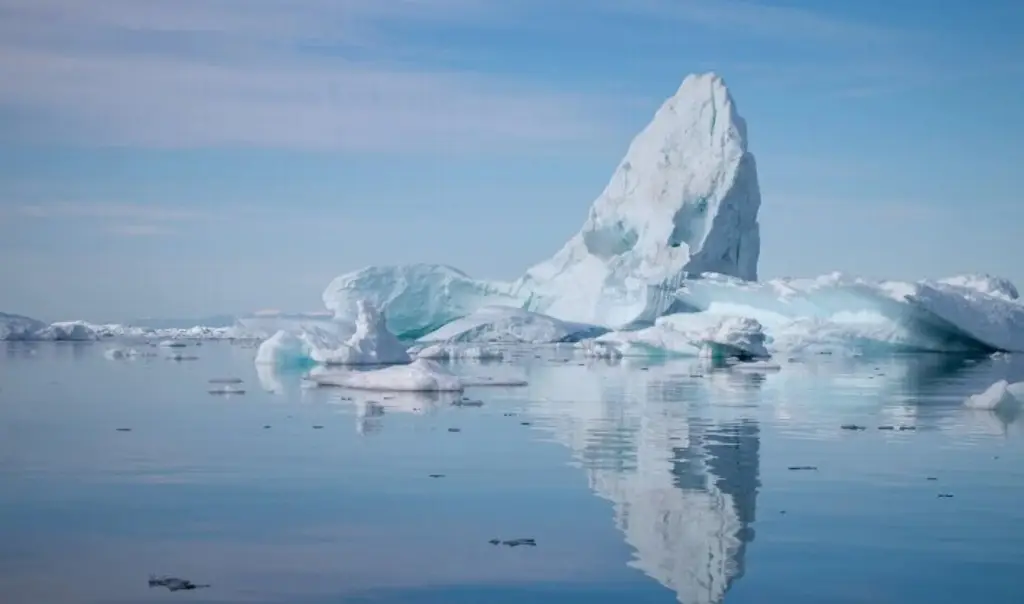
column 227, row 72
column 106, row 211
column 139, row 230
column 747, row 17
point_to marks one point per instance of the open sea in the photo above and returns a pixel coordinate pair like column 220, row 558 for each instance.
column 639, row 482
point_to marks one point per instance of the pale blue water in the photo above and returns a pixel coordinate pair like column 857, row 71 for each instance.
column 654, row 485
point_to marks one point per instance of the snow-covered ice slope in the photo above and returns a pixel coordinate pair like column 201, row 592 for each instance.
column 684, row 199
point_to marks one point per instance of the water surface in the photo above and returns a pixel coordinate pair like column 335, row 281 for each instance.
column 641, row 482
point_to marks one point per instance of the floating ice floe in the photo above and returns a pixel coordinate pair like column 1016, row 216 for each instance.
column 421, row 375
column 1000, row 396
column 366, row 342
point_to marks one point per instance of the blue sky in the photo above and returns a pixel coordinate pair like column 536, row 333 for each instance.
column 188, row 157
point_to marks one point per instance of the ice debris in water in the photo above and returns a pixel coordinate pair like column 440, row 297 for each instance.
column 364, row 342
column 422, row 375
column 1001, row 395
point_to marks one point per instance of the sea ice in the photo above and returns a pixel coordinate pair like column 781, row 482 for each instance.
column 999, row 396
column 421, row 375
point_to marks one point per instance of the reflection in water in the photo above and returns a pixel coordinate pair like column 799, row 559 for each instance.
column 683, row 487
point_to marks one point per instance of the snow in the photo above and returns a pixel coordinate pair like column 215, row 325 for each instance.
column 365, row 342
column 999, row 396
column 416, row 299
column 497, row 324
column 421, row 375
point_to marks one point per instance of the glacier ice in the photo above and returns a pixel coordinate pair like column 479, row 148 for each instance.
column 499, row 324
column 364, row 342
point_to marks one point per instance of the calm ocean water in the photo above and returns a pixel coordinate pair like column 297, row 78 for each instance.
column 641, row 483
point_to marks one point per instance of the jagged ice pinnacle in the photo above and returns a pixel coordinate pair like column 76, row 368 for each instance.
column 683, row 200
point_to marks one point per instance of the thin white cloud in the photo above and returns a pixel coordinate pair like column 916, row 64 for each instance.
column 106, row 211
column 139, row 230
column 229, row 72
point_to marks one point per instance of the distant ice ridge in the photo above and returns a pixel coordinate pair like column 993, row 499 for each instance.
column 16, row 327
column 364, row 342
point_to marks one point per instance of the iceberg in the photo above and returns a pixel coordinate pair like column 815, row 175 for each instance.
column 67, row 331
column 18, row 327
column 366, row 342
column 497, row 324
column 684, row 199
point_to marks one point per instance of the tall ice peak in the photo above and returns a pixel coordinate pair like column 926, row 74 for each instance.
column 684, row 199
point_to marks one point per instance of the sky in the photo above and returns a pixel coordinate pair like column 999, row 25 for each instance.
column 180, row 158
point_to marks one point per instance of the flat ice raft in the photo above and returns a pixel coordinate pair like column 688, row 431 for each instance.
column 421, row 375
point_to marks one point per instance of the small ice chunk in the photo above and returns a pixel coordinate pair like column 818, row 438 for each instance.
column 1000, row 395
column 117, row 354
